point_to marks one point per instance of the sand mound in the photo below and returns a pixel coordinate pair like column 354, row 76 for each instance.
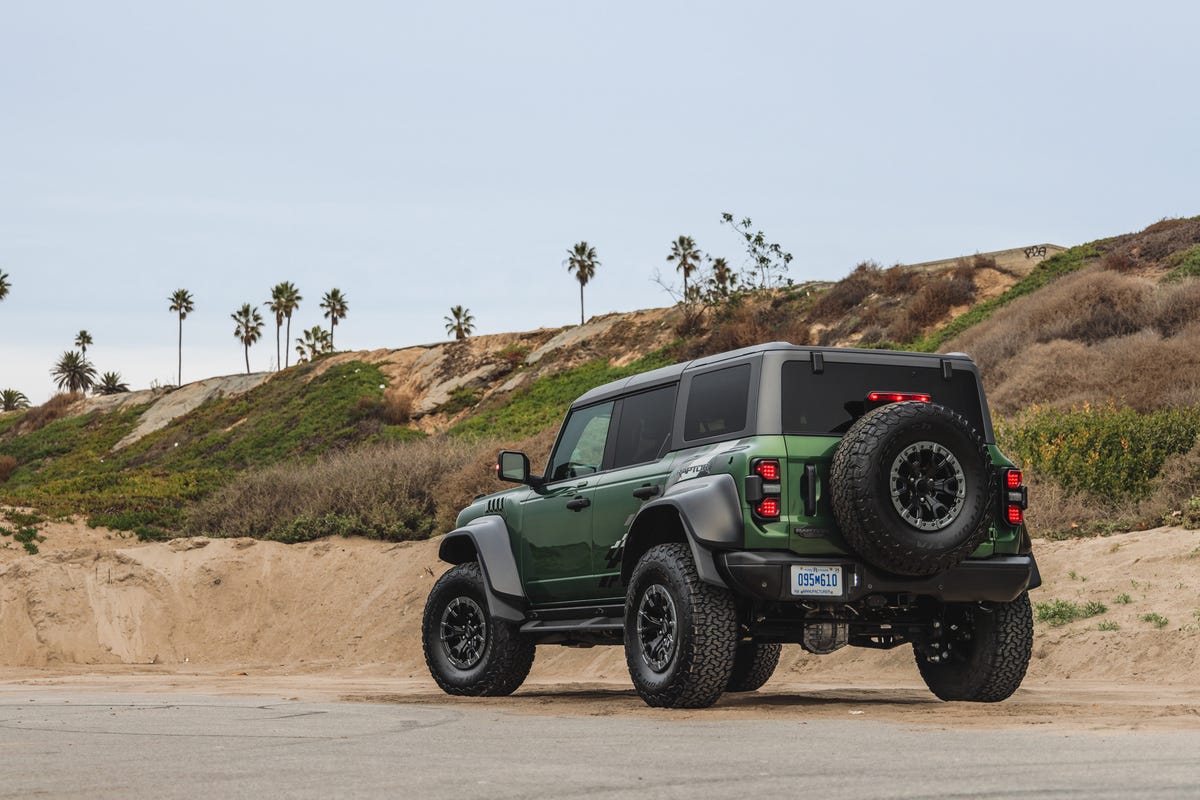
column 91, row 598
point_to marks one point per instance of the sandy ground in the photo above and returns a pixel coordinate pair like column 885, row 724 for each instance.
column 340, row 618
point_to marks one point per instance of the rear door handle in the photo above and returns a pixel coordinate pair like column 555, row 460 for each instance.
column 646, row 492
column 578, row 504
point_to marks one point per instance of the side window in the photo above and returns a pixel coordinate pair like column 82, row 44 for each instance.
column 580, row 450
column 717, row 402
column 645, row 427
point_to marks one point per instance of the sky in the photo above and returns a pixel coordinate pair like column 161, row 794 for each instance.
column 423, row 155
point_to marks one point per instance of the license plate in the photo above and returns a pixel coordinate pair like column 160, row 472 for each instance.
column 813, row 581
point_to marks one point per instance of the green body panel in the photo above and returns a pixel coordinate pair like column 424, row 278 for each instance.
column 555, row 553
column 615, row 509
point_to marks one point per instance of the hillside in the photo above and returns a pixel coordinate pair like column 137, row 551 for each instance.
column 1089, row 357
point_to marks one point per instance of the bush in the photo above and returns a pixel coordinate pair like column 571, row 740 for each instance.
column 841, row 297
column 1056, row 613
column 8, row 465
column 54, row 408
column 938, row 296
column 1117, row 261
column 396, row 406
column 390, row 492
column 1184, row 264
column 1111, row 453
column 513, row 355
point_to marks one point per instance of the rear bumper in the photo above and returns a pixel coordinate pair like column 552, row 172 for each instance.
column 766, row 574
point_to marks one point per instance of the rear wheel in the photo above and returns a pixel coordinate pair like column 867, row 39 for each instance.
column 980, row 652
column 680, row 633
column 467, row 650
column 753, row 666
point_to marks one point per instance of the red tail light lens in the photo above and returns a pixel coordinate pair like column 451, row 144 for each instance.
column 767, row 469
column 768, row 508
column 1012, row 479
column 1015, row 515
column 898, row 397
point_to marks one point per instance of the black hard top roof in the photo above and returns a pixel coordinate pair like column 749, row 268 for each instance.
column 665, row 375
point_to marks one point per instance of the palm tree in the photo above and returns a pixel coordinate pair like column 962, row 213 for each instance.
column 581, row 259
column 316, row 342
column 12, row 400
column 285, row 299
column 460, row 322
column 73, row 372
column 249, row 328
column 111, row 383
column 181, row 304
column 336, row 306
column 82, row 340
column 275, row 306
column 4, row 284
column 723, row 278
column 687, row 259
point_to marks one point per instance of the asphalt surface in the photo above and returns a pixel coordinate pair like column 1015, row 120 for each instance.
column 75, row 744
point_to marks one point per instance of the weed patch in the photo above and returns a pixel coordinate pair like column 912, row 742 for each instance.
column 1057, row 613
column 1157, row 620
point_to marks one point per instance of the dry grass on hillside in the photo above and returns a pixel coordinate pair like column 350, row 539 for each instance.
column 399, row 491
column 1093, row 336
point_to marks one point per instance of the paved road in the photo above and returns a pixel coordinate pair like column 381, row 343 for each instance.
column 72, row 744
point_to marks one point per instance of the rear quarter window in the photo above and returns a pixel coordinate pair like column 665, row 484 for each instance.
column 717, row 403
column 828, row 403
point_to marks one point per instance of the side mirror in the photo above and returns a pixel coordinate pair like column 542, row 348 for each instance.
column 512, row 466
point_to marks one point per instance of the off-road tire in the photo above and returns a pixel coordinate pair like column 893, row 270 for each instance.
column 861, row 481
column 990, row 665
column 506, row 655
column 706, row 627
column 753, row 666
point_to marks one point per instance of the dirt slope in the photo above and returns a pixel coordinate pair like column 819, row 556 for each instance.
column 91, row 597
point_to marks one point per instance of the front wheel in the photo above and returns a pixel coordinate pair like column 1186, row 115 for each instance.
column 980, row 651
column 467, row 650
column 680, row 633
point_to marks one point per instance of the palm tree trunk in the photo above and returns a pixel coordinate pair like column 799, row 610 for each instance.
column 179, row 376
column 277, row 356
column 581, row 304
column 332, row 328
column 289, row 338
column 246, row 347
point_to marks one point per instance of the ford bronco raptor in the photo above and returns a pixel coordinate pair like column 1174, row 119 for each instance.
column 703, row 514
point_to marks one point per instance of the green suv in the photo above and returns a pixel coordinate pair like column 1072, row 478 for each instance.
column 703, row 514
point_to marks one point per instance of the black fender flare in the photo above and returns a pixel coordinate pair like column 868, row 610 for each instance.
column 710, row 512
column 486, row 540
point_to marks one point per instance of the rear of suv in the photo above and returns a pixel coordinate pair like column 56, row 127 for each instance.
column 703, row 514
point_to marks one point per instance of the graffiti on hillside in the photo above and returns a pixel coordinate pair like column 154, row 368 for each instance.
column 1035, row 252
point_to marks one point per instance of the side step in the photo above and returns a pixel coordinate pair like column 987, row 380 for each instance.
column 567, row 626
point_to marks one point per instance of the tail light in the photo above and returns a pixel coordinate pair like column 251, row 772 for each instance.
column 767, row 469
column 1015, row 498
column 768, row 508
column 764, row 490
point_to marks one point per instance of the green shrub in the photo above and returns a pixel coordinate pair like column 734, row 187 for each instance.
column 1123, row 599
column 461, row 399
column 1060, row 612
column 1157, row 620
column 1111, row 453
column 28, row 537
column 1108, row 625
column 1184, row 264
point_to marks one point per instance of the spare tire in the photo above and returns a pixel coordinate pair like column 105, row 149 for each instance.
column 912, row 487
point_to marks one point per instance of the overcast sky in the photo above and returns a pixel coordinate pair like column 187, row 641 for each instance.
column 419, row 156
